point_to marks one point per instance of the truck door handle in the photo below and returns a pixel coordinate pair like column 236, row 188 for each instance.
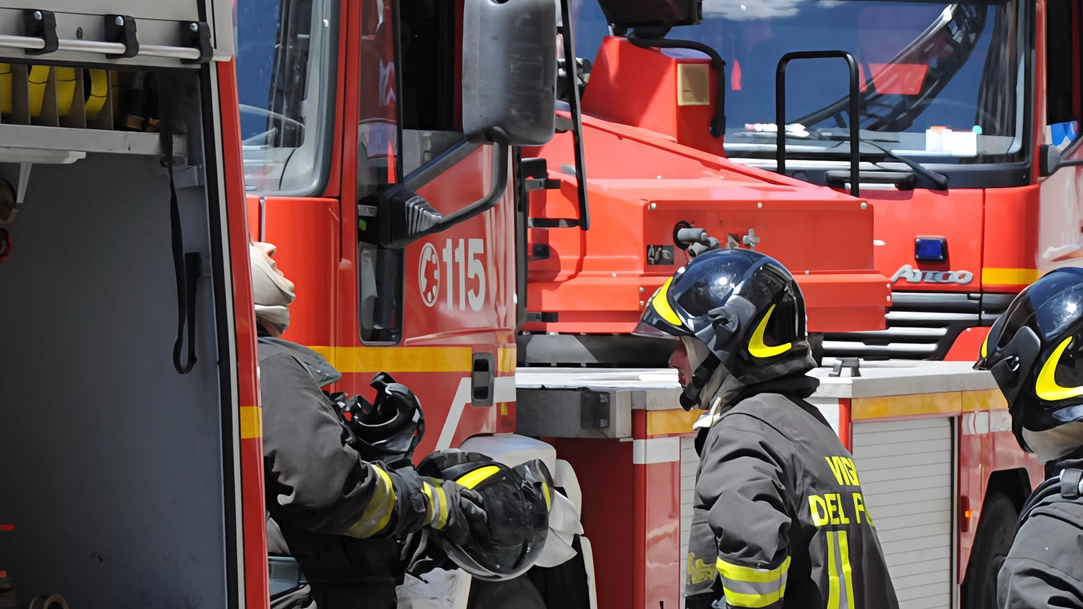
column 482, row 379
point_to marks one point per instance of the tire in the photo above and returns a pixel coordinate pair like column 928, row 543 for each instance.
column 996, row 531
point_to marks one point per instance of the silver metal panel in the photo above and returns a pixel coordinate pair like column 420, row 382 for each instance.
column 81, row 30
column 907, row 477
column 689, row 467
column 560, row 413
column 113, row 464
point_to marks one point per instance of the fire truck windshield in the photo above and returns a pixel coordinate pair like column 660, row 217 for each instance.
column 939, row 82
column 283, row 62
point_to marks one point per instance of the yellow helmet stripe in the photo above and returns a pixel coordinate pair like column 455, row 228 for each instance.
column 985, row 346
column 660, row 302
column 476, row 477
column 756, row 345
column 1046, row 386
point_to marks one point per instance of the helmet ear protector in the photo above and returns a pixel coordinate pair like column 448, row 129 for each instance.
column 1011, row 371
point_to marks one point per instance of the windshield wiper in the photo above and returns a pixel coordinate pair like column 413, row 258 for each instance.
column 938, row 179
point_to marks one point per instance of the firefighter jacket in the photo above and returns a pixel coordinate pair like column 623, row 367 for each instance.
column 1043, row 567
column 338, row 515
column 779, row 519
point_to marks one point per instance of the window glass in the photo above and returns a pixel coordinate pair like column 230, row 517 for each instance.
column 284, row 81
column 941, row 82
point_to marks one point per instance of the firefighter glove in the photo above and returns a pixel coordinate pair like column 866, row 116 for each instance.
column 454, row 510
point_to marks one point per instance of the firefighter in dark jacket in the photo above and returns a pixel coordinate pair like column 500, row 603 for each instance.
column 335, row 513
column 1035, row 353
column 779, row 519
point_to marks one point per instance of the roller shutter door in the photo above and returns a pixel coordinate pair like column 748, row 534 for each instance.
column 906, row 470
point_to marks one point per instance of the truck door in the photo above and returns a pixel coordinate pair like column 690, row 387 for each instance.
column 438, row 314
column 1060, row 217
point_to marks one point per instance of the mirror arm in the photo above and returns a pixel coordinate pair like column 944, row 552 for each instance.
column 499, row 185
column 1070, row 163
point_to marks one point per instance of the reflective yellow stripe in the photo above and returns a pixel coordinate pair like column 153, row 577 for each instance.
column 548, row 500
column 748, row 574
column 475, row 477
column 379, row 509
column 847, row 571
column 441, row 518
column 426, row 489
column 660, row 302
column 832, row 573
column 758, row 348
column 752, row 588
column 251, row 422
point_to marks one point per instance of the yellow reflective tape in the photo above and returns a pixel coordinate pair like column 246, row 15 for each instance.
column 985, row 346
column 379, row 509
column 394, row 360
column 660, row 303
column 475, row 477
column 426, row 489
column 748, row 574
column 1046, row 386
column 441, row 518
column 847, row 570
column 98, row 92
column 756, row 345
column 752, row 601
column 832, row 573
column 995, row 276
column 548, row 501
column 251, row 422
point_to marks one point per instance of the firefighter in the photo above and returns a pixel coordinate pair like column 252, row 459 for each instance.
column 779, row 519
column 335, row 513
column 1035, row 353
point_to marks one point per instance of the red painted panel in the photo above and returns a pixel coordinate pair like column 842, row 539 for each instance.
column 305, row 230
column 955, row 215
column 967, row 346
column 662, row 562
column 1011, row 232
column 605, row 472
column 253, row 527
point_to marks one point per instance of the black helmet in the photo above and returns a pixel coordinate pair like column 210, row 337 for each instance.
column 516, row 501
column 745, row 306
column 1035, row 353
column 389, row 429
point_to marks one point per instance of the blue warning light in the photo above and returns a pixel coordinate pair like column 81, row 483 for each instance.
column 931, row 249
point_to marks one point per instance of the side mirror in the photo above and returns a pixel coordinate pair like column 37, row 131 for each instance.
column 509, row 71
column 1049, row 159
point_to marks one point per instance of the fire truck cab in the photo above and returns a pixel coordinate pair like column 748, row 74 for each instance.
column 969, row 117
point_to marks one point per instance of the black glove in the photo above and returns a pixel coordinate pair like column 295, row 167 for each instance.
column 455, row 511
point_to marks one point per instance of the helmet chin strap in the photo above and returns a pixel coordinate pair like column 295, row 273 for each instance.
column 690, row 397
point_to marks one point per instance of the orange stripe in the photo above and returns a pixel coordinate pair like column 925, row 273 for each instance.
column 671, row 422
column 251, row 422
column 996, row 276
column 863, row 409
column 410, row 359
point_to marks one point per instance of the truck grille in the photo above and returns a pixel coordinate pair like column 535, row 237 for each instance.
column 920, row 326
